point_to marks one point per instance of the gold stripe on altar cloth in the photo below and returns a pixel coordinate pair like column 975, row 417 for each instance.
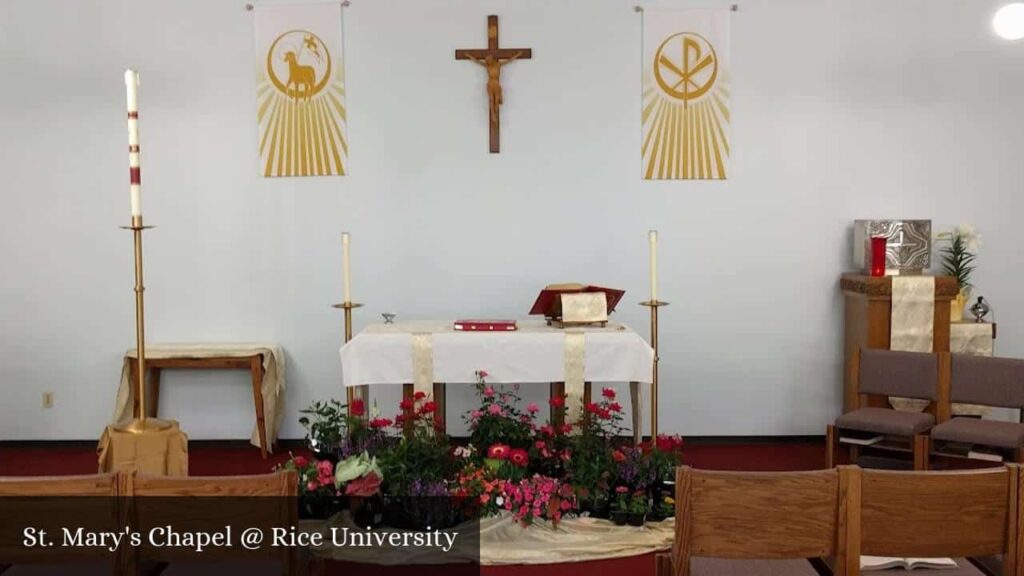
column 574, row 382
column 912, row 324
column 423, row 362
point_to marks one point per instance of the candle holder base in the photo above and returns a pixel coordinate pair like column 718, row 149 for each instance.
column 139, row 426
column 346, row 306
column 653, row 303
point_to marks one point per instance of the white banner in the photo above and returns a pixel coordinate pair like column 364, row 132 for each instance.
column 686, row 77
column 300, row 90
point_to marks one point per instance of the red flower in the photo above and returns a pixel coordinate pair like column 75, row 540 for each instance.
column 608, row 393
column 667, row 443
column 615, row 407
column 566, row 428
column 498, row 451
column 618, row 456
column 547, row 430
column 604, row 413
column 557, row 401
column 380, row 423
column 366, row 486
column 428, row 407
column 357, row 407
column 621, row 489
column 482, row 373
column 405, row 404
column 419, row 395
column 519, row 457
column 540, row 445
column 592, row 408
column 300, row 461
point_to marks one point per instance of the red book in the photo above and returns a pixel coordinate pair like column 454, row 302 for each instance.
column 485, row 325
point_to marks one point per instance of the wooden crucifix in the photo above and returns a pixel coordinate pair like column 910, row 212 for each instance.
column 492, row 59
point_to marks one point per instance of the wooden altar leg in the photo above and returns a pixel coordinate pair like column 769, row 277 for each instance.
column 634, row 399
column 154, row 390
column 256, row 367
column 587, row 393
column 408, row 394
column 557, row 391
column 439, row 399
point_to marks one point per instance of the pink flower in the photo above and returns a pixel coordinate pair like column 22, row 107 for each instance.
column 482, row 373
column 485, row 498
column 498, row 451
column 300, row 461
column 366, row 486
column 548, row 430
column 621, row 490
column 519, row 457
column 311, row 486
column 489, row 392
column 608, row 393
column 532, row 408
column 476, row 414
column 494, row 410
column 325, row 473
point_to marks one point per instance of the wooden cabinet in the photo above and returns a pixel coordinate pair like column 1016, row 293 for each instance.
column 868, row 314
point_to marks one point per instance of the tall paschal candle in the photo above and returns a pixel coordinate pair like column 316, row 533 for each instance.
column 131, row 81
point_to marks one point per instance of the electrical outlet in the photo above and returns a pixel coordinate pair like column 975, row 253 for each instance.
column 47, row 399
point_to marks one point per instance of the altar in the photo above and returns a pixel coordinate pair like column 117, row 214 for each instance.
column 425, row 355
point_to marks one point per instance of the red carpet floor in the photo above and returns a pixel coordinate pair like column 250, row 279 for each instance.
column 221, row 458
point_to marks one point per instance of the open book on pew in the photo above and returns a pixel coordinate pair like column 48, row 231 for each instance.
column 870, row 563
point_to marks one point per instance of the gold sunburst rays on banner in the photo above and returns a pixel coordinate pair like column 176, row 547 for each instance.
column 300, row 93
column 685, row 114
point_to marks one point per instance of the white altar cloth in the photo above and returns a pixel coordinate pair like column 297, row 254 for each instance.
column 536, row 353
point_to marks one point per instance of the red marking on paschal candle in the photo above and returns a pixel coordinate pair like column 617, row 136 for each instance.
column 135, row 175
column 133, row 114
column 133, row 148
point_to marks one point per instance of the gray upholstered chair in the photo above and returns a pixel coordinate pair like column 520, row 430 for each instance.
column 990, row 382
column 880, row 374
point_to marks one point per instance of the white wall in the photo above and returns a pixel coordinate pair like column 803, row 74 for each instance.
column 842, row 110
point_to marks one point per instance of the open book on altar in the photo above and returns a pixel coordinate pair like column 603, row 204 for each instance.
column 549, row 301
column 869, row 563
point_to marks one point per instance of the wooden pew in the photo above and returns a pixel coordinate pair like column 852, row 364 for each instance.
column 260, row 501
column 52, row 503
column 793, row 516
column 964, row 513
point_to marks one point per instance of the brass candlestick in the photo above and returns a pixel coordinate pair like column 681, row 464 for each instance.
column 654, row 305
column 141, row 423
column 352, row 392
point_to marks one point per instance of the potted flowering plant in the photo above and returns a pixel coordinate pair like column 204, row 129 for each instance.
column 539, row 498
column 629, row 507
column 360, row 476
column 480, row 492
column 419, row 467
column 500, row 429
column 661, row 458
column 958, row 261
column 591, row 466
column 318, row 496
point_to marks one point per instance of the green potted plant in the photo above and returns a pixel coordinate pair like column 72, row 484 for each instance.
column 962, row 244
column 620, row 506
column 325, row 424
column 637, row 507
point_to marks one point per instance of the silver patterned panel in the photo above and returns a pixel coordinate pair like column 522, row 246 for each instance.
column 909, row 246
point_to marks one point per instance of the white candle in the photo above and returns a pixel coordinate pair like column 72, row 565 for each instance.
column 131, row 81
column 652, row 236
column 346, row 268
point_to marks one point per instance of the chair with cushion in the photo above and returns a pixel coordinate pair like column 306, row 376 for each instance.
column 763, row 523
column 958, row 514
column 880, row 374
column 990, row 382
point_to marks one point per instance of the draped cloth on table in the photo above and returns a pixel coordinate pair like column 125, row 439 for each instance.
column 272, row 389
column 912, row 324
column 575, row 351
column 505, row 541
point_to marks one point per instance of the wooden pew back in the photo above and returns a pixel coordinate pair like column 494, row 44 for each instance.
column 938, row 514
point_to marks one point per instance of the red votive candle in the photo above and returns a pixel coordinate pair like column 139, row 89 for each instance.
column 878, row 255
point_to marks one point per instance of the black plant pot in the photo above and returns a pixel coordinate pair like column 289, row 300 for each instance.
column 421, row 512
column 635, row 519
column 620, row 518
column 367, row 512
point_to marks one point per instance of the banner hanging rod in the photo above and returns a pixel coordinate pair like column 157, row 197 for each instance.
column 250, row 7
column 734, row 8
